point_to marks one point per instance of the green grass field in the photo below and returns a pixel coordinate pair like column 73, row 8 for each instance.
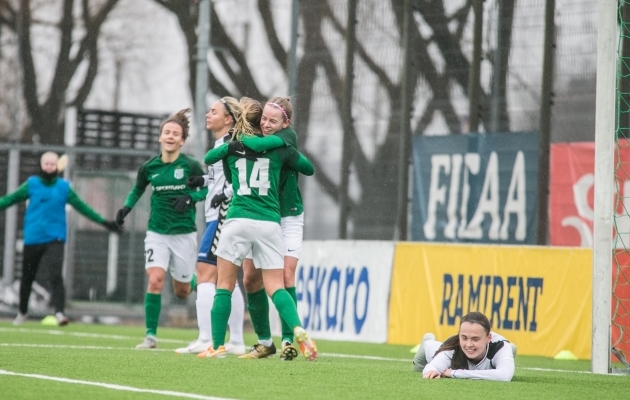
column 95, row 361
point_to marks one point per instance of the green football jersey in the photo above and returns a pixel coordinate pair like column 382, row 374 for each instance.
column 168, row 181
column 289, row 191
column 256, row 183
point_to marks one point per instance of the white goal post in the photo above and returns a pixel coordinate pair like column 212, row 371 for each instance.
column 605, row 117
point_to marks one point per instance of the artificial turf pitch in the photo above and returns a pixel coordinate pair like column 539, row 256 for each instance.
column 100, row 362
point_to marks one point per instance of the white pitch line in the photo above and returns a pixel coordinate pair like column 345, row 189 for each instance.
column 113, row 386
column 83, row 334
column 335, row 355
column 75, row 347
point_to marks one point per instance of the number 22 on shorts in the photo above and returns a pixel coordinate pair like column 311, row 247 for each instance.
column 148, row 254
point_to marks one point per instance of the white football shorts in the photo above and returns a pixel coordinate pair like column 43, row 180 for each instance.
column 239, row 236
column 177, row 253
column 292, row 235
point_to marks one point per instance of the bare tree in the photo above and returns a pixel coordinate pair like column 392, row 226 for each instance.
column 76, row 58
column 372, row 213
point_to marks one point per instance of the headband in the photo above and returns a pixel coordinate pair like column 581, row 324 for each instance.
column 227, row 108
column 281, row 109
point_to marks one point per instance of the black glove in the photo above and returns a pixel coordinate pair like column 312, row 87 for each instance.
column 182, row 203
column 113, row 226
column 195, row 181
column 236, row 148
column 121, row 214
column 218, row 199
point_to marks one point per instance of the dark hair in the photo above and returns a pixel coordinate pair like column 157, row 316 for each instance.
column 284, row 105
column 459, row 359
column 248, row 122
column 180, row 118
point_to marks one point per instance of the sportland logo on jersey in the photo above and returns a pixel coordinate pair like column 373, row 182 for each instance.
column 179, row 173
column 475, row 188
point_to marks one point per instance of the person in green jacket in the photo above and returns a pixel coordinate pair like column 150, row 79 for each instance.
column 45, row 231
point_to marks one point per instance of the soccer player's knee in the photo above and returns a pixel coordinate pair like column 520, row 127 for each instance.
column 156, row 282
column 252, row 284
column 182, row 293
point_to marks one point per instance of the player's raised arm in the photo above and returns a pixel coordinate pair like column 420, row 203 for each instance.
column 216, row 154
column 298, row 161
column 21, row 194
column 82, row 207
column 264, row 143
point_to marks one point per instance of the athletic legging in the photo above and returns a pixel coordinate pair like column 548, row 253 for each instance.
column 50, row 255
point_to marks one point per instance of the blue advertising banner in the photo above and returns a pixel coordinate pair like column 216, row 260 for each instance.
column 475, row 188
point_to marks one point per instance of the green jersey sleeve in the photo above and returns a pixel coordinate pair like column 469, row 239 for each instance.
column 141, row 184
column 216, row 154
column 297, row 161
column 19, row 195
column 260, row 144
column 200, row 193
column 75, row 201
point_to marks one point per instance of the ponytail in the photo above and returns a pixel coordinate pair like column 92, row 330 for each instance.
column 248, row 122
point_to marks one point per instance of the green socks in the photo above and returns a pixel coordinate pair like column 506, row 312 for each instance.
column 287, row 331
column 258, row 307
column 286, row 308
column 152, row 308
column 220, row 315
column 193, row 283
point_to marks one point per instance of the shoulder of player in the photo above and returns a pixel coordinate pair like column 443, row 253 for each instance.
column 191, row 161
column 151, row 162
column 288, row 135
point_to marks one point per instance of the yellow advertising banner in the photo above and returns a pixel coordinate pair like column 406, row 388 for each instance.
column 537, row 297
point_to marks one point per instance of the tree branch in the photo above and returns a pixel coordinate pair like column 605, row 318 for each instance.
column 92, row 71
column 28, row 67
column 264, row 6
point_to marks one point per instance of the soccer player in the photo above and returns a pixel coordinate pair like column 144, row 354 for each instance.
column 275, row 122
column 45, row 231
column 220, row 120
column 253, row 224
column 474, row 353
column 171, row 235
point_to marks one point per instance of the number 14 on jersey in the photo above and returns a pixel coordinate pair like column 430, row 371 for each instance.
column 259, row 178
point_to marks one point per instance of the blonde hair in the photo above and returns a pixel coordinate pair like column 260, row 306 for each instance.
column 180, row 118
column 284, row 105
column 232, row 108
column 248, row 122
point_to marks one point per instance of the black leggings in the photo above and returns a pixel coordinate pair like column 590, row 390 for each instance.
column 50, row 255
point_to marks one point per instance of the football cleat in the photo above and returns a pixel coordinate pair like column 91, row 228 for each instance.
column 149, row 342
column 260, row 351
column 235, row 349
column 62, row 320
column 307, row 345
column 288, row 353
column 195, row 347
column 19, row 319
column 212, row 353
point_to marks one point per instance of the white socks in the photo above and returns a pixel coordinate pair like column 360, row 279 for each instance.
column 235, row 323
column 205, row 299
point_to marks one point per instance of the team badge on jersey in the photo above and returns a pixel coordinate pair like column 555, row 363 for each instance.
column 179, row 173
